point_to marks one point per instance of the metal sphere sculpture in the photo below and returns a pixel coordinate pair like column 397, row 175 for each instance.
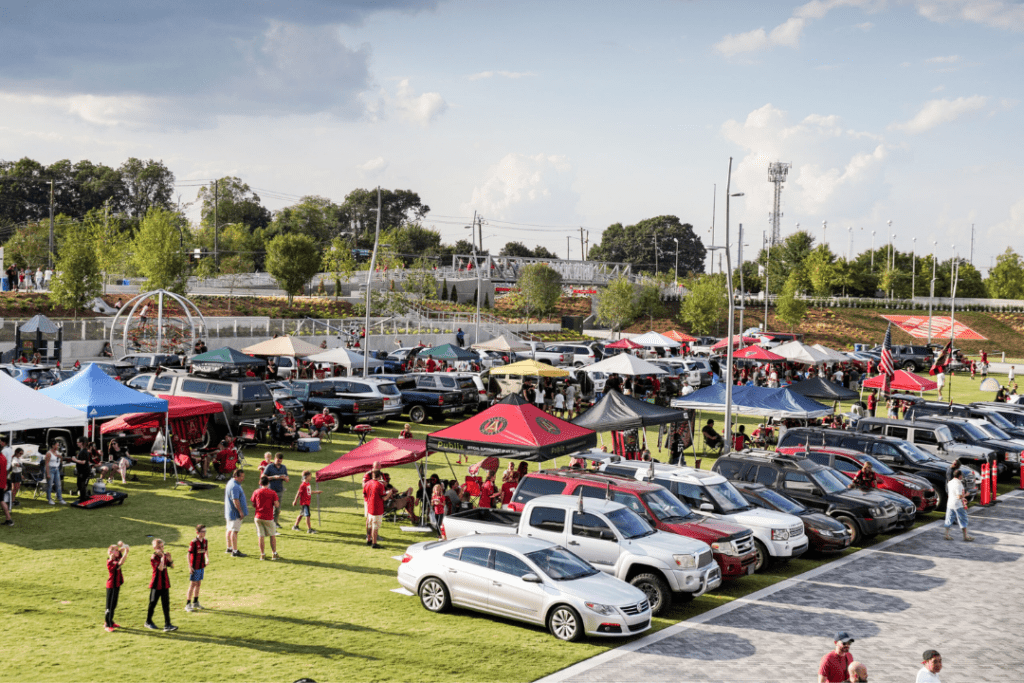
column 156, row 322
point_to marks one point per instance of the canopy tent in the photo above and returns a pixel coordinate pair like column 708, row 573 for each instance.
column 821, row 389
column 832, row 355
column 989, row 384
column 388, row 452
column 448, row 352
column 799, row 352
column 747, row 400
column 225, row 358
column 515, row 400
column 680, row 336
column 624, row 343
column 625, row 364
column 757, row 353
column 24, row 408
column 737, row 340
column 100, row 395
column 39, row 323
column 901, row 381
column 504, row 343
column 530, row 368
column 345, row 358
column 178, row 408
column 283, row 346
column 616, row 412
column 652, row 338
column 941, row 327
column 520, row 432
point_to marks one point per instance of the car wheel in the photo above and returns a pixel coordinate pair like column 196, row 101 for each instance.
column 910, row 366
column 578, row 364
column 417, row 414
column 565, row 624
column 656, row 590
column 63, row 447
column 434, row 595
column 763, row 557
column 851, row 526
column 337, row 421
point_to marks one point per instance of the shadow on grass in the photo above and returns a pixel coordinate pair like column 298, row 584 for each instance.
column 263, row 646
column 342, row 567
column 337, row 626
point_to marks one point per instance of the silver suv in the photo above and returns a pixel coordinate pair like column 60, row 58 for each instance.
column 370, row 387
column 581, row 353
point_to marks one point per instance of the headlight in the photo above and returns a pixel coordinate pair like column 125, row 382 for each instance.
column 685, row 561
column 914, row 487
column 599, row 608
column 875, row 512
column 780, row 534
column 725, row 547
column 825, row 532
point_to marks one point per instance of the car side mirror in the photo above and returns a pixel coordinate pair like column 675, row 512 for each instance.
column 606, row 535
column 816, row 491
column 707, row 507
column 531, row 578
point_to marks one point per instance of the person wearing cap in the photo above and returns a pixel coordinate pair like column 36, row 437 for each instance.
column 931, row 666
column 834, row 667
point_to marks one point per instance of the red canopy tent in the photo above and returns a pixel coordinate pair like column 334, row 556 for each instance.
column 388, row 452
column 625, row 343
column 757, row 353
column 187, row 418
column 736, row 341
column 917, row 326
column 520, row 432
column 680, row 337
column 901, row 381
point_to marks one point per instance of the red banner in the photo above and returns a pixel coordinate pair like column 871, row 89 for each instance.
column 917, row 326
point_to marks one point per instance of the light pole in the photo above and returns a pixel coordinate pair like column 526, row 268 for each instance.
column 767, row 261
column 931, row 291
column 824, row 227
column 849, row 249
column 739, row 260
column 913, row 269
column 676, row 240
column 714, row 198
column 872, row 251
column 730, row 330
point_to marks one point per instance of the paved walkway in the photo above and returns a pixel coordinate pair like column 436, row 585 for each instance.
column 908, row 594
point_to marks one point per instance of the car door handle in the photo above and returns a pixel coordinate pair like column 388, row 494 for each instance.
column 453, row 571
column 495, row 583
column 573, row 542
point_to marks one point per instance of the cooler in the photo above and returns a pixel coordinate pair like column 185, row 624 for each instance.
column 308, row 445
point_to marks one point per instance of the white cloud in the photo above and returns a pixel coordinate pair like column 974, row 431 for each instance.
column 865, row 26
column 375, row 165
column 937, row 112
column 951, row 59
column 788, row 32
column 537, row 188
column 1002, row 14
column 515, row 75
column 423, row 108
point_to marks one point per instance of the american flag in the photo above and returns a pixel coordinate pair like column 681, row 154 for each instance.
column 942, row 359
column 885, row 365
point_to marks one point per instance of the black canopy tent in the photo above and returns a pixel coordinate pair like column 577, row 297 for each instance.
column 821, row 389
column 618, row 413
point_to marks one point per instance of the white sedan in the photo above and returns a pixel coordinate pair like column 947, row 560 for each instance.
column 525, row 579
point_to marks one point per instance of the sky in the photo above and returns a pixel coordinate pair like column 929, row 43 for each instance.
column 548, row 116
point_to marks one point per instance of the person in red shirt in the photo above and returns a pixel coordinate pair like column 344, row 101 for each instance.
column 406, row 432
column 303, row 497
column 487, row 492
column 198, row 558
column 321, row 423
column 834, row 667
column 160, row 586
column 373, row 496
column 431, row 365
column 116, row 555
column 226, row 461
column 872, row 402
column 3, row 487
column 265, row 502
column 437, row 507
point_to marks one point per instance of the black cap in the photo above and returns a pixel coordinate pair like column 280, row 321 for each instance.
column 930, row 654
column 843, row 637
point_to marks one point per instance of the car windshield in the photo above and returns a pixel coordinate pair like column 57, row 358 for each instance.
column 913, row 453
column 943, row 435
column 560, row 564
column 629, row 524
column 781, row 503
column 666, row 507
column 879, row 467
column 828, row 482
column 999, row 421
column 993, row 431
column 1014, row 418
column 727, row 497
column 969, row 431
column 389, row 389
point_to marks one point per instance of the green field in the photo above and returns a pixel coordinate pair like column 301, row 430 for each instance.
column 326, row 610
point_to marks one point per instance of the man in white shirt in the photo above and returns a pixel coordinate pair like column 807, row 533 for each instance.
column 956, row 505
column 932, row 665
column 1011, row 375
column 940, row 381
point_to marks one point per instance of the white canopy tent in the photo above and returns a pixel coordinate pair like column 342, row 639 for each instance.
column 345, row 358
column 625, row 364
column 801, row 353
column 652, row 338
column 833, row 355
column 24, row 408
column 504, row 343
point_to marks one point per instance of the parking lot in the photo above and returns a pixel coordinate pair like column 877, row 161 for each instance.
column 897, row 599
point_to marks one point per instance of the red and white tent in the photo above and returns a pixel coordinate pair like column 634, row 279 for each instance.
column 901, row 381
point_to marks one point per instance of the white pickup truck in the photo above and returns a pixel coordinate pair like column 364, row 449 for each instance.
column 540, row 353
column 611, row 537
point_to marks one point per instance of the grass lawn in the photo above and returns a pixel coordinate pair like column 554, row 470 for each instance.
column 325, row 610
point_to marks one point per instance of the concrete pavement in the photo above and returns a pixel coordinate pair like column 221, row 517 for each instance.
column 911, row 593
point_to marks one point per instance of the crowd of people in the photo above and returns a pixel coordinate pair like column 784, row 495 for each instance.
column 24, row 279
column 838, row 665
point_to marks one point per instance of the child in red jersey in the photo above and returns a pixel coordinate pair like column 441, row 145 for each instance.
column 198, row 558
column 160, row 586
column 303, row 497
column 116, row 555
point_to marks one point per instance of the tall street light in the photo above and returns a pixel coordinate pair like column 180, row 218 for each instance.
column 931, row 291
column 824, row 227
column 913, row 269
column 676, row 240
column 849, row 249
column 872, row 251
column 730, row 330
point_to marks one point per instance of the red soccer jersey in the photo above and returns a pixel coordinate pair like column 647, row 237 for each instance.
column 263, row 502
column 438, row 503
column 114, row 575
column 373, row 495
column 487, row 494
column 3, row 472
column 507, row 489
column 197, row 553
column 304, row 496
column 160, row 578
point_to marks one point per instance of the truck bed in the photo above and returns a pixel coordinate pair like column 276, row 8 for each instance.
column 481, row 521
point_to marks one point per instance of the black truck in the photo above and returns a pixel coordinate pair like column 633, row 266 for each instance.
column 419, row 403
column 316, row 395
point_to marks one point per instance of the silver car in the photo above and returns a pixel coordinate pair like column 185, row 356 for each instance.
column 525, row 579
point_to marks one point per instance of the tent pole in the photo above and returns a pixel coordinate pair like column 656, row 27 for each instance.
column 449, row 461
column 318, row 520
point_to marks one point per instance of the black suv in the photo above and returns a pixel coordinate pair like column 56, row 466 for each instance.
column 824, row 534
column 979, row 412
column 900, row 455
column 863, row 513
column 913, row 358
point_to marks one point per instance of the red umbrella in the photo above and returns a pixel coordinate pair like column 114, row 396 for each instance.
column 490, row 464
column 389, row 452
column 680, row 337
column 624, row 344
column 736, row 341
column 757, row 353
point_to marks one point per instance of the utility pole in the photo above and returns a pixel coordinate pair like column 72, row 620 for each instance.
column 767, row 260
column 369, row 285
column 49, row 257
column 480, row 225
column 714, row 197
column 743, row 291
column 972, row 244
column 216, row 242
column 583, row 248
column 568, row 255
column 931, row 293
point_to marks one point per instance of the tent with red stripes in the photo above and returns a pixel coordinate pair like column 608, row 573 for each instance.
column 901, row 381
column 917, row 326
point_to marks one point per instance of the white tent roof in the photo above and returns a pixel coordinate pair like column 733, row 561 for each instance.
column 24, row 408
column 625, row 364
column 282, row 346
column 652, row 338
column 801, row 353
column 833, row 355
column 343, row 357
column 506, row 342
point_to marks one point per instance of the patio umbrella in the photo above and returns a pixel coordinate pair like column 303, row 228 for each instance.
column 757, row 353
column 504, row 343
column 680, row 336
column 448, row 352
column 283, row 346
column 530, row 368
column 652, row 338
column 624, row 344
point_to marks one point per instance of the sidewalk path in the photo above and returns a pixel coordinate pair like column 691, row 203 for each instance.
column 897, row 599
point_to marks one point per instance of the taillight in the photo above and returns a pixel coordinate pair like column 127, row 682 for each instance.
column 406, row 558
column 444, row 536
column 440, row 400
column 355, row 407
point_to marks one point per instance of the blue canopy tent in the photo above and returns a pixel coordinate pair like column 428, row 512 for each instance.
column 749, row 400
column 99, row 395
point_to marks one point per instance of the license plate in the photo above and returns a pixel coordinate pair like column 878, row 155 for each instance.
column 750, row 570
column 449, row 410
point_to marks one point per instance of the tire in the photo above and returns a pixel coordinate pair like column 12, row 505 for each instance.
column 851, row 526
column 434, row 595
column 657, row 591
column 417, row 414
column 337, row 421
column 63, row 447
column 578, row 364
column 910, row 366
column 764, row 558
column 565, row 624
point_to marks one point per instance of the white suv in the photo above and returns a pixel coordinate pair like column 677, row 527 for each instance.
column 581, row 353
column 370, row 387
column 777, row 535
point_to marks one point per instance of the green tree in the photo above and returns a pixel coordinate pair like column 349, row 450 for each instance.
column 359, row 211
column 790, row 309
column 635, row 244
column 444, row 290
column 233, row 201
column 541, row 286
column 1006, row 279
column 515, row 249
column 616, row 306
column 705, row 304
column 29, row 245
column 821, row 270
column 112, row 242
column 316, row 217
column 543, row 252
column 786, row 256
column 340, row 262
column 156, row 251
column 420, row 280
column 292, row 260
column 76, row 278
column 648, row 302
column 145, row 185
